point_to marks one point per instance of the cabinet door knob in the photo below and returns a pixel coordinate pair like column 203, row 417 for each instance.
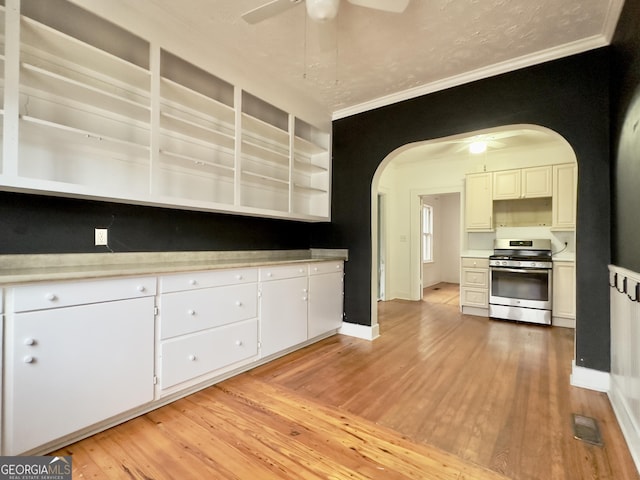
column 192, row 282
column 239, row 343
column 239, row 277
column 29, row 341
column 191, row 312
column 301, row 270
column 304, row 290
column 304, row 298
column 142, row 288
column 51, row 297
column 315, row 269
column 338, row 267
column 269, row 274
column 28, row 359
column 192, row 357
column 238, row 303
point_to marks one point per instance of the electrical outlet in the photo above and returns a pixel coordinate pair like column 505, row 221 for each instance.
column 101, row 236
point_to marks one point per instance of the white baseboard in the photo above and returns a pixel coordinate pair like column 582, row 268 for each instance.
column 360, row 331
column 589, row 378
column 625, row 420
column 563, row 322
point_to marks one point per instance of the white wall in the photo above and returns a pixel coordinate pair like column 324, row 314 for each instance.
column 407, row 178
column 446, row 242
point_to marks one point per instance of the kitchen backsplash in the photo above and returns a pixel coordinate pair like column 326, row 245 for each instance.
column 484, row 240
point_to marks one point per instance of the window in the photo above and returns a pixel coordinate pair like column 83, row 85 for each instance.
column 427, row 233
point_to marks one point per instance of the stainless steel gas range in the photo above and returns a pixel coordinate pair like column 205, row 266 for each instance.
column 520, row 280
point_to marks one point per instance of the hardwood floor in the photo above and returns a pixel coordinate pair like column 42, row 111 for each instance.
column 443, row 292
column 439, row 395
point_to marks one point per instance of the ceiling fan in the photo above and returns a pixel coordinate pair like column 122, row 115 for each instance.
column 320, row 10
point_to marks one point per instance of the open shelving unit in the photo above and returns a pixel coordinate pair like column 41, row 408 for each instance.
column 84, row 113
column 197, row 133
column 264, row 160
column 101, row 113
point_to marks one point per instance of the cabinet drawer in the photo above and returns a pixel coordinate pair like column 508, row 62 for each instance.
column 187, row 312
column 194, row 280
column 184, row 359
column 325, row 267
column 475, row 297
column 475, row 277
column 53, row 295
column 475, row 262
column 278, row 272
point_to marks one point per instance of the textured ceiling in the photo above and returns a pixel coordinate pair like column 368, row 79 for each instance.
column 365, row 58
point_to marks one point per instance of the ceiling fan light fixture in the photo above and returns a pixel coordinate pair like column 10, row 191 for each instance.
column 478, row 147
column 322, row 10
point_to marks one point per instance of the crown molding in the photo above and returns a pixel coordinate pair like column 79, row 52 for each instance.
column 555, row 53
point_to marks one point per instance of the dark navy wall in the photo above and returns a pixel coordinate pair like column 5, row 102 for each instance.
column 626, row 139
column 570, row 96
column 40, row 224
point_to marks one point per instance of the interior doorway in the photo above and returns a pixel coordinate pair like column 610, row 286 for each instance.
column 439, row 261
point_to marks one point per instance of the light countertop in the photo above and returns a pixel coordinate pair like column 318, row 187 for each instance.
column 71, row 266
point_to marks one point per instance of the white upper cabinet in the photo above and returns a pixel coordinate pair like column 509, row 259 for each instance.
column 532, row 182
column 565, row 184
column 95, row 111
column 478, row 202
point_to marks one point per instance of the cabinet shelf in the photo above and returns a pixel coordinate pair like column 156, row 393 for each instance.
column 36, row 78
column 65, row 49
column 188, row 129
column 307, row 148
column 261, row 153
column 192, row 163
column 263, row 132
column 308, row 190
column 66, row 134
column 308, row 168
column 174, row 95
column 258, row 179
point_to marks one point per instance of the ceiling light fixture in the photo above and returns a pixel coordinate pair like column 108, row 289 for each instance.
column 478, row 147
column 322, row 10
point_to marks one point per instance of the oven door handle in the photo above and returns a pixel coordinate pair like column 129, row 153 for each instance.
column 520, row 270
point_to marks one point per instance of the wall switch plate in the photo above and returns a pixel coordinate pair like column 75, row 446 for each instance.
column 101, row 236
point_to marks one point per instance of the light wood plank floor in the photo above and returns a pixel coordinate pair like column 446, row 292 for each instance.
column 438, row 395
column 443, row 292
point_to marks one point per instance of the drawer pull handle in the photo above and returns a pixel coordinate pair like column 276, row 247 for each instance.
column 192, row 282
column 304, row 298
column 191, row 312
column 192, row 357
column 29, row 341
column 239, row 343
column 269, row 274
column 338, row 267
column 315, row 269
column 51, row 297
column 239, row 277
column 28, row 359
column 142, row 288
column 304, row 290
column 301, row 270
column 238, row 303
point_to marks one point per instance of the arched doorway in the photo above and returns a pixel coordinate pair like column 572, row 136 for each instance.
column 439, row 167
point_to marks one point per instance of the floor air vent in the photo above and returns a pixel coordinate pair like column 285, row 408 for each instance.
column 586, row 429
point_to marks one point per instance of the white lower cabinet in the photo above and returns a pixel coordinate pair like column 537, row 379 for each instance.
column 474, row 286
column 208, row 323
column 80, row 356
column 283, row 308
column 326, row 298
column 69, row 368
column 195, row 356
column 564, row 294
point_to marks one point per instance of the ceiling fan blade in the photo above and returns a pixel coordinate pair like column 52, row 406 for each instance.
column 269, row 10
column 394, row 6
